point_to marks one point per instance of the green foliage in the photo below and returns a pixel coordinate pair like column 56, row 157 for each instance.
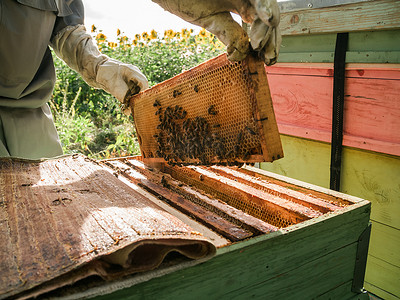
column 89, row 120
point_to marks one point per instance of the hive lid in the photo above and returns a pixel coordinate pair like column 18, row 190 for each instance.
column 65, row 219
column 217, row 112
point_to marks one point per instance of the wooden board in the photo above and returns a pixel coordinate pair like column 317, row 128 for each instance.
column 383, row 275
column 363, row 47
column 372, row 112
column 365, row 174
column 69, row 218
column 273, row 265
column 217, row 112
column 369, row 15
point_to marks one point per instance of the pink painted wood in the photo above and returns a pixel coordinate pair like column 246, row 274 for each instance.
column 302, row 99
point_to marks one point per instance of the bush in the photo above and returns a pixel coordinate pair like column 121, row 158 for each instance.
column 89, row 120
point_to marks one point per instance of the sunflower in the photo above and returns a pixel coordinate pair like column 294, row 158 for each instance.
column 153, row 34
column 169, row 33
column 138, row 36
column 202, row 32
column 118, row 32
column 145, row 35
column 94, row 28
column 101, row 37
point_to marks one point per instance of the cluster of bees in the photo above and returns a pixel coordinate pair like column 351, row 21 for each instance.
column 180, row 138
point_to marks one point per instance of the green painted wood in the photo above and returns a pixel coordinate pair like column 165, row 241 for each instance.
column 292, row 253
column 338, row 268
column 383, row 275
column 367, row 175
column 304, row 160
column 361, row 16
column 374, row 177
column 342, row 292
column 385, row 243
column 374, row 290
column 364, row 47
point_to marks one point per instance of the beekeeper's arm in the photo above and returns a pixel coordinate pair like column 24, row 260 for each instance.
column 76, row 47
column 263, row 15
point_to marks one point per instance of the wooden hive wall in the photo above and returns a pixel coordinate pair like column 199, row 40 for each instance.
column 301, row 86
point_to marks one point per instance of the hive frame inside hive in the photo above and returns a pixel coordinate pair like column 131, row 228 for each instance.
column 217, row 112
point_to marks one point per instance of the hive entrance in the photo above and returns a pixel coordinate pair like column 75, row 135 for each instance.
column 217, row 112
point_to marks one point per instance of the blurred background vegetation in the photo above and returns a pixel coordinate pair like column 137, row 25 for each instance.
column 89, row 120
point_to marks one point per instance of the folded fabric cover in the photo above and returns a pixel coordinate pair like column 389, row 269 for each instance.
column 64, row 219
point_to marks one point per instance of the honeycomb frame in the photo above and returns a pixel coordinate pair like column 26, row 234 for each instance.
column 219, row 112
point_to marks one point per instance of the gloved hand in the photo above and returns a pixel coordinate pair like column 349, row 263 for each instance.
column 263, row 15
column 76, row 47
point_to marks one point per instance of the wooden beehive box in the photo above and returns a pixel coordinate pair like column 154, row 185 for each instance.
column 276, row 237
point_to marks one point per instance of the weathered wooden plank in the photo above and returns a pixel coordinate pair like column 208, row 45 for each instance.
column 385, row 243
column 370, row 15
column 372, row 113
column 275, row 189
column 231, row 213
column 342, row 292
column 338, row 269
column 299, row 186
column 258, row 260
column 271, row 209
column 217, row 223
column 364, row 47
column 61, row 213
column 211, row 235
column 228, row 212
column 9, row 266
column 351, row 57
column 378, row 293
column 383, row 275
column 257, row 195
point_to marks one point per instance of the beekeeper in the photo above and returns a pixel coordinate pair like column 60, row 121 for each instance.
column 262, row 15
column 27, row 74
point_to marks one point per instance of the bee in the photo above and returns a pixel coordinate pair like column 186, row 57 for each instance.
column 211, row 110
column 159, row 111
column 183, row 114
column 239, row 138
column 251, row 131
column 176, row 93
column 196, row 88
column 236, row 149
column 156, row 103
column 164, row 181
column 229, row 154
column 217, row 125
column 246, row 155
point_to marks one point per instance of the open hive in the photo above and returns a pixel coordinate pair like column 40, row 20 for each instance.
column 77, row 227
column 219, row 112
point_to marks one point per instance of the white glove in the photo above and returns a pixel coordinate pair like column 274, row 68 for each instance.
column 76, row 47
column 263, row 15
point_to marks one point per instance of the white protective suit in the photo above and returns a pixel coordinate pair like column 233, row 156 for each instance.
column 27, row 75
column 214, row 15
